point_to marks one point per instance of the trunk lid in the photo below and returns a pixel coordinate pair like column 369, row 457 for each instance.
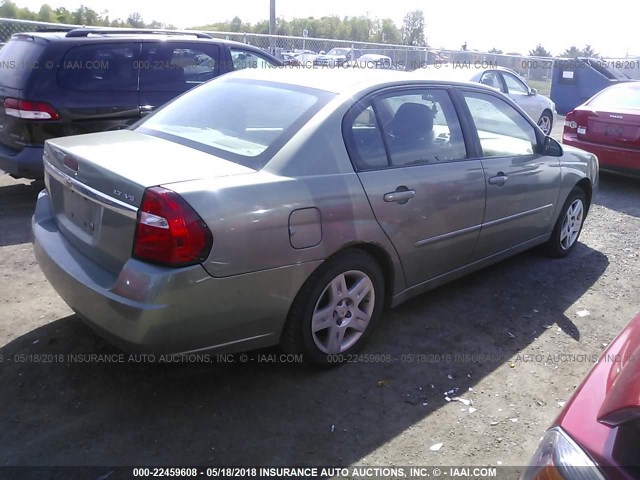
column 96, row 183
column 620, row 128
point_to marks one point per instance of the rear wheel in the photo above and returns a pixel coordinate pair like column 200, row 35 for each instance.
column 336, row 309
column 569, row 225
column 546, row 122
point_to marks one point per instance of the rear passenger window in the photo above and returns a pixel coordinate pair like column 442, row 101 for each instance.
column 491, row 79
column 364, row 140
column 421, row 127
column 171, row 68
column 100, row 68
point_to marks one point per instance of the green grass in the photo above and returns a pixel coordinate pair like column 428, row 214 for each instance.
column 542, row 86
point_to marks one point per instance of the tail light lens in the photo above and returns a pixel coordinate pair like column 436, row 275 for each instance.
column 570, row 125
column 29, row 110
column 169, row 231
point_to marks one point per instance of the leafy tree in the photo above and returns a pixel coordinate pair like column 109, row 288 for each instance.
column 588, row 51
column 63, row 15
column 495, row 51
column 540, row 51
column 571, row 52
column 412, row 32
column 8, row 9
column 46, row 14
column 389, row 32
column 135, row 20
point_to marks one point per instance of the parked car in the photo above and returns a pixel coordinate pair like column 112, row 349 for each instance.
column 540, row 108
column 597, row 432
column 289, row 58
column 55, row 84
column 608, row 124
column 306, row 60
column 371, row 60
column 290, row 206
column 337, row 57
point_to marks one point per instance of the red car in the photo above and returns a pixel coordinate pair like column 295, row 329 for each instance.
column 597, row 434
column 608, row 125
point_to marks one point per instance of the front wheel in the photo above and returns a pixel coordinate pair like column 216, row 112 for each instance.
column 336, row 309
column 546, row 122
column 569, row 225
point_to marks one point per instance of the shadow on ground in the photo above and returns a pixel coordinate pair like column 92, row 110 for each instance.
column 17, row 202
column 619, row 193
column 71, row 413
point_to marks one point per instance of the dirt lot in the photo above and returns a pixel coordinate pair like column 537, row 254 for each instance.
column 514, row 314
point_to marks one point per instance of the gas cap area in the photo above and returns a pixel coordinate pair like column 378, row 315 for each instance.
column 305, row 228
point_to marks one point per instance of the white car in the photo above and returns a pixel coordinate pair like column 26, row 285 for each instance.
column 540, row 108
column 372, row 60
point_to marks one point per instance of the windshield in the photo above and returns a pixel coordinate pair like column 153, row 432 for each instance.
column 244, row 121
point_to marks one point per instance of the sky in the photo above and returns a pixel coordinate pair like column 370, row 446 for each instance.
column 509, row 26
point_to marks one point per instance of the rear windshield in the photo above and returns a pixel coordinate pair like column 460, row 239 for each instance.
column 622, row 97
column 18, row 58
column 241, row 120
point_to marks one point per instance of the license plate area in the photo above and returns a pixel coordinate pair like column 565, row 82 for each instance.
column 83, row 217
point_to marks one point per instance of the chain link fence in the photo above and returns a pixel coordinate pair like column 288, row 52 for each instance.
column 537, row 70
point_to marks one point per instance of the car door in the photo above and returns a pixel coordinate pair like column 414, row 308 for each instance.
column 522, row 185
column 520, row 93
column 168, row 69
column 409, row 151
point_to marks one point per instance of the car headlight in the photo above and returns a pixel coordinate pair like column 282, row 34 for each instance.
column 558, row 457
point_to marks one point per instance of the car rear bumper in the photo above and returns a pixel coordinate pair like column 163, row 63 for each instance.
column 26, row 163
column 622, row 160
column 148, row 308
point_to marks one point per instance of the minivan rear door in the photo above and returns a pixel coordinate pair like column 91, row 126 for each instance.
column 19, row 58
column 98, row 87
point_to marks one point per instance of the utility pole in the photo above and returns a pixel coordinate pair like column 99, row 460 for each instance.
column 272, row 26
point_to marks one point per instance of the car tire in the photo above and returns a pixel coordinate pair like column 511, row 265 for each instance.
column 569, row 225
column 336, row 309
column 546, row 122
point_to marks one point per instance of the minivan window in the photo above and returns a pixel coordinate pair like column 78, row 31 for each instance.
column 245, row 59
column 100, row 68
column 240, row 120
column 18, row 59
column 171, row 68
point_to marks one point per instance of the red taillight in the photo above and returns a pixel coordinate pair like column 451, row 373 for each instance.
column 570, row 125
column 29, row 110
column 169, row 231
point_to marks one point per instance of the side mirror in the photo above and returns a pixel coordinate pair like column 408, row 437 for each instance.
column 533, row 91
column 552, row 148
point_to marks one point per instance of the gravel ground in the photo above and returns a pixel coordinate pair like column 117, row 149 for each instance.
column 509, row 339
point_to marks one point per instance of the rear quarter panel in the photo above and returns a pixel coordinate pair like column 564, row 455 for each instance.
column 249, row 214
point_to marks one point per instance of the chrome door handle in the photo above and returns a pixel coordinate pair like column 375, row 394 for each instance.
column 400, row 196
column 498, row 180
